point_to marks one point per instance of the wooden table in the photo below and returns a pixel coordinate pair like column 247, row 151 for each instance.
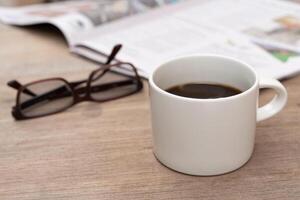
column 104, row 151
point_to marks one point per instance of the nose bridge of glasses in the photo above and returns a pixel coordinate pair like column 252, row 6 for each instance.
column 81, row 92
column 81, row 88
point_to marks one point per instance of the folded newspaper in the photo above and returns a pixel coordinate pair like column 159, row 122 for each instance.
column 264, row 33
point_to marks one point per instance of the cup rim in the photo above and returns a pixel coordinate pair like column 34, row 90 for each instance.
column 242, row 63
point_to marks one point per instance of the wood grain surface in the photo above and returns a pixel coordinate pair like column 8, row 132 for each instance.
column 104, row 151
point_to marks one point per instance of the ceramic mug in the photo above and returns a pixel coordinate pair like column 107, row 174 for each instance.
column 208, row 136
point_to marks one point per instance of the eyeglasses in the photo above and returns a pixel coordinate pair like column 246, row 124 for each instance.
column 50, row 96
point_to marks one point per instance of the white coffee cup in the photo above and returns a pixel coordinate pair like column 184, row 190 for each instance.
column 208, row 136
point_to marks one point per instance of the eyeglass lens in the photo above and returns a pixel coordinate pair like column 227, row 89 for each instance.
column 47, row 97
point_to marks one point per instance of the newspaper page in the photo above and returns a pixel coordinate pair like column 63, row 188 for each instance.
column 273, row 25
column 155, row 37
column 76, row 17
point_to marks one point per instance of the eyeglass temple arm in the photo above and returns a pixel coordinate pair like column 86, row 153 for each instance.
column 54, row 94
column 16, row 85
column 110, row 58
column 103, row 87
column 63, row 92
column 113, row 53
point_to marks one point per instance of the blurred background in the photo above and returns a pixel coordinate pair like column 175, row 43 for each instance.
column 25, row 2
column 21, row 2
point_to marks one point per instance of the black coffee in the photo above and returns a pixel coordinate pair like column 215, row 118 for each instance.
column 203, row 91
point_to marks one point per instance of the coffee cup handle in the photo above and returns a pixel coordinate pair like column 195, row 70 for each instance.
column 278, row 101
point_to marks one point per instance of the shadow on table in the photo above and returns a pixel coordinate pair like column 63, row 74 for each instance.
column 48, row 31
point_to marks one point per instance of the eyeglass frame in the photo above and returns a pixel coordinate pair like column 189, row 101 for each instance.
column 77, row 97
